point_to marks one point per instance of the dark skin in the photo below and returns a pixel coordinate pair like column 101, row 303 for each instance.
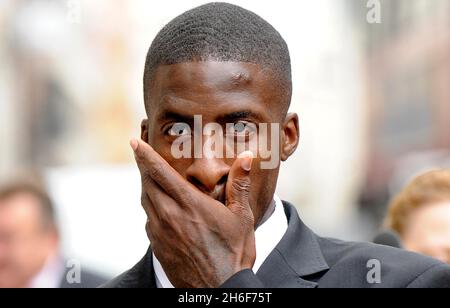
column 202, row 212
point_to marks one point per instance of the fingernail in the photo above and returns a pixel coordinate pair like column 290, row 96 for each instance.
column 247, row 159
column 134, row 144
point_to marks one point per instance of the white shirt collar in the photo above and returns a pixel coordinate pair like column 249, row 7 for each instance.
column 267, row 237
column 50, row 275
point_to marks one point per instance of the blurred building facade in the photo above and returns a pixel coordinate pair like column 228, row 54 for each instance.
column 408, row 93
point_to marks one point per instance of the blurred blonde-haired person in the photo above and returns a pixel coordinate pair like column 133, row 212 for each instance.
column 420, row 214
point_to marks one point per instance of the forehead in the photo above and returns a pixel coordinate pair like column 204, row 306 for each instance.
column 214, row 87
column 433, row 218
column 19, row 210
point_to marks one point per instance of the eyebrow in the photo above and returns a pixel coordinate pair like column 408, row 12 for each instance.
column 226, row 118
column 239, row 115
column 177, row 117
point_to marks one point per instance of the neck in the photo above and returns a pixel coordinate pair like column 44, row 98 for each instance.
column 269, row 212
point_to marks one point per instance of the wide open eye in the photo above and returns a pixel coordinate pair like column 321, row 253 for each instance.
column 179, row 130
column 241, row 129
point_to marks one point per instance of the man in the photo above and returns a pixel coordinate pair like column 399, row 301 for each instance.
column 213, row 220
column 29, row 243
column 420, row 215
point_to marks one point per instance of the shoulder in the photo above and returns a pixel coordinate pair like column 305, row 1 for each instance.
column 370, row 265
column 140, row 276
column 116, row 282
column 87, row 279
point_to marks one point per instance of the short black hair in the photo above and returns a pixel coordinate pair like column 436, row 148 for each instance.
column 220, row 32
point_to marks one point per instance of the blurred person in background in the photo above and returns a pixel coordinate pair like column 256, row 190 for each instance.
column 420, row 214
column 29, row 243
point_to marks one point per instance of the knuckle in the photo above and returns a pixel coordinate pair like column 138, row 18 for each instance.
column 139, row 160
column 156, row 171
column 241, row 185
column 145, row 204
column 144, row 199
column 241, row 209
column 146, row 178
column 167, row 216
column 151, row 234
column 182, row 195
column 248, row 218
column 187, row 198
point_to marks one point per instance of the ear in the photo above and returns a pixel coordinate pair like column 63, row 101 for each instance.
column 290, row 136
column 144, row 130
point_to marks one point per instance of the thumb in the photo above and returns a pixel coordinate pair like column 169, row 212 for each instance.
column 238, row 184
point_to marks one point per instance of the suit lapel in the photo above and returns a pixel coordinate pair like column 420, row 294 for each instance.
column 296, row 257
column 142, row 275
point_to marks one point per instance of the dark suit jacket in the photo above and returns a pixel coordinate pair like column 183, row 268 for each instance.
column 88, row 279
column 304, row 260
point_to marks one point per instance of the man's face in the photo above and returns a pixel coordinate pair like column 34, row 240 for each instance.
column 24, row 243
column 236, row 96
column 428, row 231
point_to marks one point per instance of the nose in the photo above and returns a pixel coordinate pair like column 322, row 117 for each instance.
column 208, row 174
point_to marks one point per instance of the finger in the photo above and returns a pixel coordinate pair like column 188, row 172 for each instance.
column 151, row 196
column 151, row 164
column 149, row 231
column 161, row 206
column 152, row 234
column 148, row 206
column 238, row 184
column 152, row 217
column 145, row 174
